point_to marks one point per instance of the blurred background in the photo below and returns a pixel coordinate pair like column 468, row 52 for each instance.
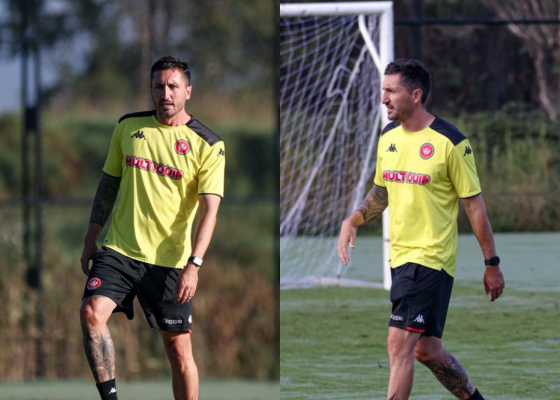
column 68, row 70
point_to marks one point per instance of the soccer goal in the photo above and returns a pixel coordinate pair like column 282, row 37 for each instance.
column 332, row 57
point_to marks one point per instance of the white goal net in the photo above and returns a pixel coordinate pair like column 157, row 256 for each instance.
column 332, row 60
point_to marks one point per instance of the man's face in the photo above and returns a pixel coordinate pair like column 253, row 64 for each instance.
column 398, row 100
column 169, row 92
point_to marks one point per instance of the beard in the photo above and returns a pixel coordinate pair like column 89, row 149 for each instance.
column 402, row 114
column 169, row 113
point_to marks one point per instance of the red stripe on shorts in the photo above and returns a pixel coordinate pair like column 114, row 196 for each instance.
column 408, row 328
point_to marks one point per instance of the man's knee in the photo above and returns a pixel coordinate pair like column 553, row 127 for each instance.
column 400, row 343
column 94, row 313
column 422, row 354
column 179, row 350
column 427, row 352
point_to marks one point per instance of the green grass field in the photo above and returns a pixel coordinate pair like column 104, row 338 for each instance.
column 145, row 390
column 333, row 340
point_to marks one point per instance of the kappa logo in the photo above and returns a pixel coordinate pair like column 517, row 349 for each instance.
column 190, row 319
column 139, row 135
column 427, row 151
column 221, row 152
column 182, row 147
column 93, row 283
column 468, row 151
column 113, row 390
column 172, row 321
column 392, row 148
column 419, row 319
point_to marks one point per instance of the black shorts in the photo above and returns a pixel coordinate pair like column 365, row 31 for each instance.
column 121, row 278
column 420, row 297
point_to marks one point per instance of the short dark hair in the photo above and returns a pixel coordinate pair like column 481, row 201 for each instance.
column 168, row 62
column 414, row 75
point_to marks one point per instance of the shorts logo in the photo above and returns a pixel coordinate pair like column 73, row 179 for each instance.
column 419, row 319
column 397, row 318
column 427, row 151
column 182, row 147
column 94, row 283
column 190, row 319
column 172, row 321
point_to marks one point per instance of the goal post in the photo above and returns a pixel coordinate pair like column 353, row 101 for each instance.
column 332, row 60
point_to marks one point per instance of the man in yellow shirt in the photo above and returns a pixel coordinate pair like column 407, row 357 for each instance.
column 165, row 164
column 424, row 166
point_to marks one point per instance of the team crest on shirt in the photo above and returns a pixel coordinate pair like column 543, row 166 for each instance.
column 182, row 147
column 93, row 283
column 427, row 151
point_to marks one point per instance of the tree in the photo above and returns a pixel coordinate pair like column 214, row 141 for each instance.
column 542, row 42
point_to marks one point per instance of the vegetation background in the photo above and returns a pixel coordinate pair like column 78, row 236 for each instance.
column 95, row 62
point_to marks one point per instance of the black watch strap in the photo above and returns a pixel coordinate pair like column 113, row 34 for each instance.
column 492, row 261
column 195, row 260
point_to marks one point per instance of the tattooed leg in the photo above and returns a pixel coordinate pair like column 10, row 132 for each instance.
column 445, row 367
column 100, row 354
column 97, row 341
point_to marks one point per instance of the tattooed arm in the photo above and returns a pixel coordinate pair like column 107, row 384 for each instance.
column 105, row 198
column 373, row 205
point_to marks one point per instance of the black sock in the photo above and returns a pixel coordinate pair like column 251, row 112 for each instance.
column 476, row 396
column 107, row 390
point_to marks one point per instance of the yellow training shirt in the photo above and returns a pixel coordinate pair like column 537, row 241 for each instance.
column 163, row 170
column 425, row 173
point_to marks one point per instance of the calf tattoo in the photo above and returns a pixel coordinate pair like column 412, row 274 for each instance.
column 375, row 202
column 453, row 376
column 100, row 353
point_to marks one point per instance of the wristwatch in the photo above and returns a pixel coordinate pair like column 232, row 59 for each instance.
column 492, row 261
column 195, row 260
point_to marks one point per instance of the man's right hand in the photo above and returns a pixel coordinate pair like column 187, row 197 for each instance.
column 89, row 250
column 346, row 237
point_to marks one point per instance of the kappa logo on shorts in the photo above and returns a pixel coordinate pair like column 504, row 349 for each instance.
column 419, row 319
column 190, row 319
column 182, row 147
column 94, row 283
column 397, row 317
column 172, row 321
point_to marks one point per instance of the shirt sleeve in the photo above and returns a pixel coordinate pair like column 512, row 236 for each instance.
column 113, row 163
column 378, row 179
column 462, row 170
column 211, row 174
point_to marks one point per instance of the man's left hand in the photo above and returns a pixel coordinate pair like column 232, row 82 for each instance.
column 186, row 284
column 494, row 282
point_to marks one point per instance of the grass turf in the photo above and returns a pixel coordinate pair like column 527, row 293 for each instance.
column 145, row 390
column 333, row 344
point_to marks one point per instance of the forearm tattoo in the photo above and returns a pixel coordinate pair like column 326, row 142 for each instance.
column 100, row 353
column 105, row 198
column 453, row 376
column 375, row 202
